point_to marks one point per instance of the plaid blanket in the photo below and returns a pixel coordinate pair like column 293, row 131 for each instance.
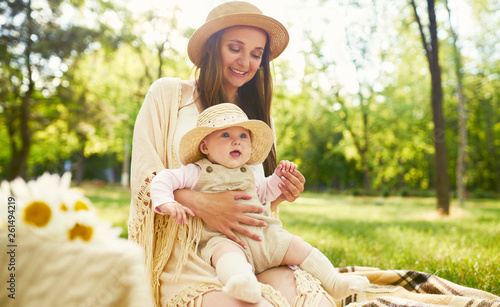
column 400, row 288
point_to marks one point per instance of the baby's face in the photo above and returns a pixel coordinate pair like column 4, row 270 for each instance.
column 230, row 147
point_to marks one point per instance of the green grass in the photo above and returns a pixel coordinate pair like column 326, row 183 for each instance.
column 388, row 233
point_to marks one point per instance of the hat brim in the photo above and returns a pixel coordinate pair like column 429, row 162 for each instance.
column 278, row 34
column 261, row 135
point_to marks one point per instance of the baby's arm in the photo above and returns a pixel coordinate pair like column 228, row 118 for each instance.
column 285, row 167
column 165, row 183
column 176, row 211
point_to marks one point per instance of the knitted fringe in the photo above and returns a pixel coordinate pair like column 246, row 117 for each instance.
column 150, row 230
column 309, row 290
column 141, row 228
column 193, row 296
column 273, row 296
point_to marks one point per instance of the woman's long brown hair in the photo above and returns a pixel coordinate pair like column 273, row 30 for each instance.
column 254, row 97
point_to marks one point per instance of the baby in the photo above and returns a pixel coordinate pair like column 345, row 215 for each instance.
column 216, row 157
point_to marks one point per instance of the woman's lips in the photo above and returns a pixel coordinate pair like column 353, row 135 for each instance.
column 237, row 72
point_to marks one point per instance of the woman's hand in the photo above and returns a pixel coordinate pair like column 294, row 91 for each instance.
column 292, row 186
column 223, row 212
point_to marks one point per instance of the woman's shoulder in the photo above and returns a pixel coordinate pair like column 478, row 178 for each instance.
column 170, row 82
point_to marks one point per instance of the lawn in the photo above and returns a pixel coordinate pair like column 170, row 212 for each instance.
column 388, row 233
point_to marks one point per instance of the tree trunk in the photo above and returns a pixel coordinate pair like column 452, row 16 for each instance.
column 80, row 168
column 126, row 165
column 19, row 156
column 462, row 147
column 367, row 182
column 490, row 137
column 462, row 114
column 442, row 181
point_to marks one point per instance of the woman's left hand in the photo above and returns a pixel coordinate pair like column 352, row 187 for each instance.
column 292, row 186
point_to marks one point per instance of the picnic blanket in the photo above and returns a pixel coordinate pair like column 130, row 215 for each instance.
column 402, row 288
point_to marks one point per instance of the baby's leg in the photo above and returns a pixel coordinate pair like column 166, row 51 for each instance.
column 236, row 273
column 318, row 265
column 297, row 252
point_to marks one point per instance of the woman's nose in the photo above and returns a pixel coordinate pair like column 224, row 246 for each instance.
column 243, row 60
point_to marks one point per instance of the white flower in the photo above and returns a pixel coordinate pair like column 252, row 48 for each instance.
column 50, row 209
column 82, row 227
column 38, row 206
column 4, row 204
column 85, row 227
column 72, row 200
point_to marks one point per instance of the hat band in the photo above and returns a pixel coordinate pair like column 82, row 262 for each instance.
column 224, row 120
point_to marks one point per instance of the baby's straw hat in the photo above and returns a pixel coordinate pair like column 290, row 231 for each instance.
column 222, row 116
column 238, row 13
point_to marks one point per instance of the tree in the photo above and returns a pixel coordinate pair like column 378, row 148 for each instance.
column 431, row 51
column 462, row 121
column 36, row 49
column 150, row 33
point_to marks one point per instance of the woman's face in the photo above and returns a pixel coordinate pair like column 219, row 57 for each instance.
column 242, row 48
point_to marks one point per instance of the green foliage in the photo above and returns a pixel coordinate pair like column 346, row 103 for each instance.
column 384, row 130
column 38, row 47
column 360, row 126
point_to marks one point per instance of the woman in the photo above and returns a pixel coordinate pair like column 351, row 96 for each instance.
column 232, row 51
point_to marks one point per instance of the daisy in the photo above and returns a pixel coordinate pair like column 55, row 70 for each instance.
column 72, row 200
column 39, row 206
column 85, row 227
column 49, row 209
column 5, row 202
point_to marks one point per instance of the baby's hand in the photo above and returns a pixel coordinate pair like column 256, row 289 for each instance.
column 176, row 211
column 285, row 167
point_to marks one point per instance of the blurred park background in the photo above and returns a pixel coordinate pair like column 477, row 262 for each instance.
column 390, row 109
column 353, row 91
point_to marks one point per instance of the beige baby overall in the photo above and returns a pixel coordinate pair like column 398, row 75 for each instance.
column 261, row 255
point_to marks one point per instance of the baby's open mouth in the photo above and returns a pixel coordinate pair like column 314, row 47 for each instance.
column 235, row 153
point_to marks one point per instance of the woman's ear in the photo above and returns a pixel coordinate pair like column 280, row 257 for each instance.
column 203, row 147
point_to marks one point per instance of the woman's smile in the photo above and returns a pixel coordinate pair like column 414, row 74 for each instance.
column 237, row 72
column 242, row 48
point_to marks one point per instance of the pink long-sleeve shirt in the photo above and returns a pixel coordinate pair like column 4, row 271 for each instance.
column 168, row 180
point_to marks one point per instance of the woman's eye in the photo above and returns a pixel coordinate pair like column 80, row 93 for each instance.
column 257, row 56
column 233, row 49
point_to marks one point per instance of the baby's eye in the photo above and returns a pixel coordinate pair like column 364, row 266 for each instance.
column 243, row 135
column 225, row 135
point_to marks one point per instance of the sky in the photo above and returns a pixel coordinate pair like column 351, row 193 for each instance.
column 296, row 15
column 328, row 20
column 289, row 12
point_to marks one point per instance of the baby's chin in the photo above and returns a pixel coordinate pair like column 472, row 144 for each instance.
column 233, row 162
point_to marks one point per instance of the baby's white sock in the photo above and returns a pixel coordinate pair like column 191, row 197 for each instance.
column 337, row 285
column 236, row 274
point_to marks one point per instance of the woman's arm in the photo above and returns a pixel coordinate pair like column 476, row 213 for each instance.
column 223, row 212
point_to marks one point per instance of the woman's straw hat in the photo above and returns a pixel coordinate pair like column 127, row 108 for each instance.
column 236, row 13
column 222, row 116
